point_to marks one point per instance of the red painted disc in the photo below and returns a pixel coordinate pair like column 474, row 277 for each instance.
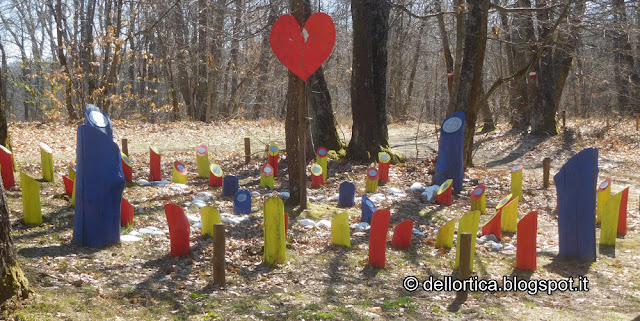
column 372, row 173
column 202, row 150
column 180, row 167
column 321, row 152
column 266, row 170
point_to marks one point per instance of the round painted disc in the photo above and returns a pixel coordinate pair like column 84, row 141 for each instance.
column 126, row 159
column 316, row 169
column 273, row 149
column 444, row 186
column 384, row 157
column 604, row 185
column 322, row 152
column 452, row 125
column 504, row 201
column 154, row 148
column 4, row 149
column 98, row 118
column 478, row 191
column 267, row 170
column 241, row 197
column 180, row 168
column 202, row 150
column 516, row 168
column 369, row 203
column 372, row 172
column 216, row 170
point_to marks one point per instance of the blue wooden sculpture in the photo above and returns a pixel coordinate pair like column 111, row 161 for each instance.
column 450, row 162
column 99, row 182
column 367, row 209
column 347, row 193
column 576, row 191
column 230, row 186
column 242, row 202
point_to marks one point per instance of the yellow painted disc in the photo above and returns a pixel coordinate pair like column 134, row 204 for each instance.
column 316, row 169
column 273, row 149
column 216, row 170
column 126, row 159
column 504, row 201
column 383, row 157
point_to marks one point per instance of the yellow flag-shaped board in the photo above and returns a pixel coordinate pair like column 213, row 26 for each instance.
column 609, row 227
column 509, row 216
column 445, row 235
column 603, row 195
column 274, row 231
column 209, row 216
column 468, row 224
column 31, row 208
column 340, row 233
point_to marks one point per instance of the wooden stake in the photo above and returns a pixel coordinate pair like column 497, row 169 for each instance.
column 125, row 146
column 546, row 166
column 564, row 118
column 607, row 123
column 218, row 255
column 464, row 268
column 637, row 122
column 247, row 150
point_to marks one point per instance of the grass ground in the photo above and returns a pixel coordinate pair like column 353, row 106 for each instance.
column 140, row 280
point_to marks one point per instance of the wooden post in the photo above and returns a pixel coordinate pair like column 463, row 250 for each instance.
column 464, row 269
column 218, row 255
column 607, row 123
column 637, row 122
column 247, row 150
column 546, row 166
column 564, row 118
column 125, row 146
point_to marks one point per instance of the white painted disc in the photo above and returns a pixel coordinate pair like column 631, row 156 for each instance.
column 452, row 125
column 98, row 118
column 369, row 203
column 242, row 197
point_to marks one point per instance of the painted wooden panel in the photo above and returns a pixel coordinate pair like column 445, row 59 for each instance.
column 378, row 238
column 527, row 235
column 274, row 231
column 450, row 163
column 340, row 232
column 179, row 229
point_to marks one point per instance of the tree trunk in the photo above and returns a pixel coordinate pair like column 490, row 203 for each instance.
column 263, row 67
column 369, row 80
column 12, row 279
column 470, row 88
column 622, row 57
column 446, row 50
column 202, row 66
column 295, row 128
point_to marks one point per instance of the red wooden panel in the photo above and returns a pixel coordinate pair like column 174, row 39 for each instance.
column 402, row 235
column 6, row 162
column 273, row 161
column 445, row 197
column 303, row 55
column 493, row 226
column 68, row 185
column 622, row 216
column 178, row 230
column 155, row 172
column 378, row 238
column 126, row 213
column 526, row 237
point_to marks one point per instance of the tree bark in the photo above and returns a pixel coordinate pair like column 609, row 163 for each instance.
column 12, row 279
column 470, row 88
column 295, row 128
column 263, row 66
column 369, row 80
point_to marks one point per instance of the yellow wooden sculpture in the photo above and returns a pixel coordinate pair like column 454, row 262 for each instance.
column 31, row 208
column 610, row 213
column 468, row 224
column 603, row 195
column 266, row 176
column 202, row 160
column 445, row 235
column 72, row 176
column 209, row 216
column 46, row 157
column 274, row 231
column 478, row 200
column 371, row 185
column 516, row 180
column 509, row 216
column 321, row 159
column 340, row 232
column 179, row 173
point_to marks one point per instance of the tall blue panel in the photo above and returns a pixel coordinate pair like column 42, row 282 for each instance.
column 347, row 193
column 450, row 162
column 576, row 192
column 99, row 182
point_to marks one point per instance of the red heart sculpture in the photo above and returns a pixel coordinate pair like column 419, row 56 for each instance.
column 303, row 56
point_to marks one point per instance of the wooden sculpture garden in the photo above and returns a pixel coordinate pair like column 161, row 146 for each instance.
column 320, row 265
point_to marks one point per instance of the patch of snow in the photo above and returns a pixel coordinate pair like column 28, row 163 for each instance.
column 480, row 240
column 362, row 226
column 393, row 190
column 255, row 193
column 418, row 232
column 198, row 225
column 494, row 246
column 417, row 188
column 193, row 218
column 509, row 247
column 378, row 197
column 324, row 223
column 178, row 187
column 492, row 238
column 206, row 195
column 284, row 195
column 160, row 183
column 151, row 230
column 143, row 182
column 129, row 238
column 306, row 222
column 430, row 193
